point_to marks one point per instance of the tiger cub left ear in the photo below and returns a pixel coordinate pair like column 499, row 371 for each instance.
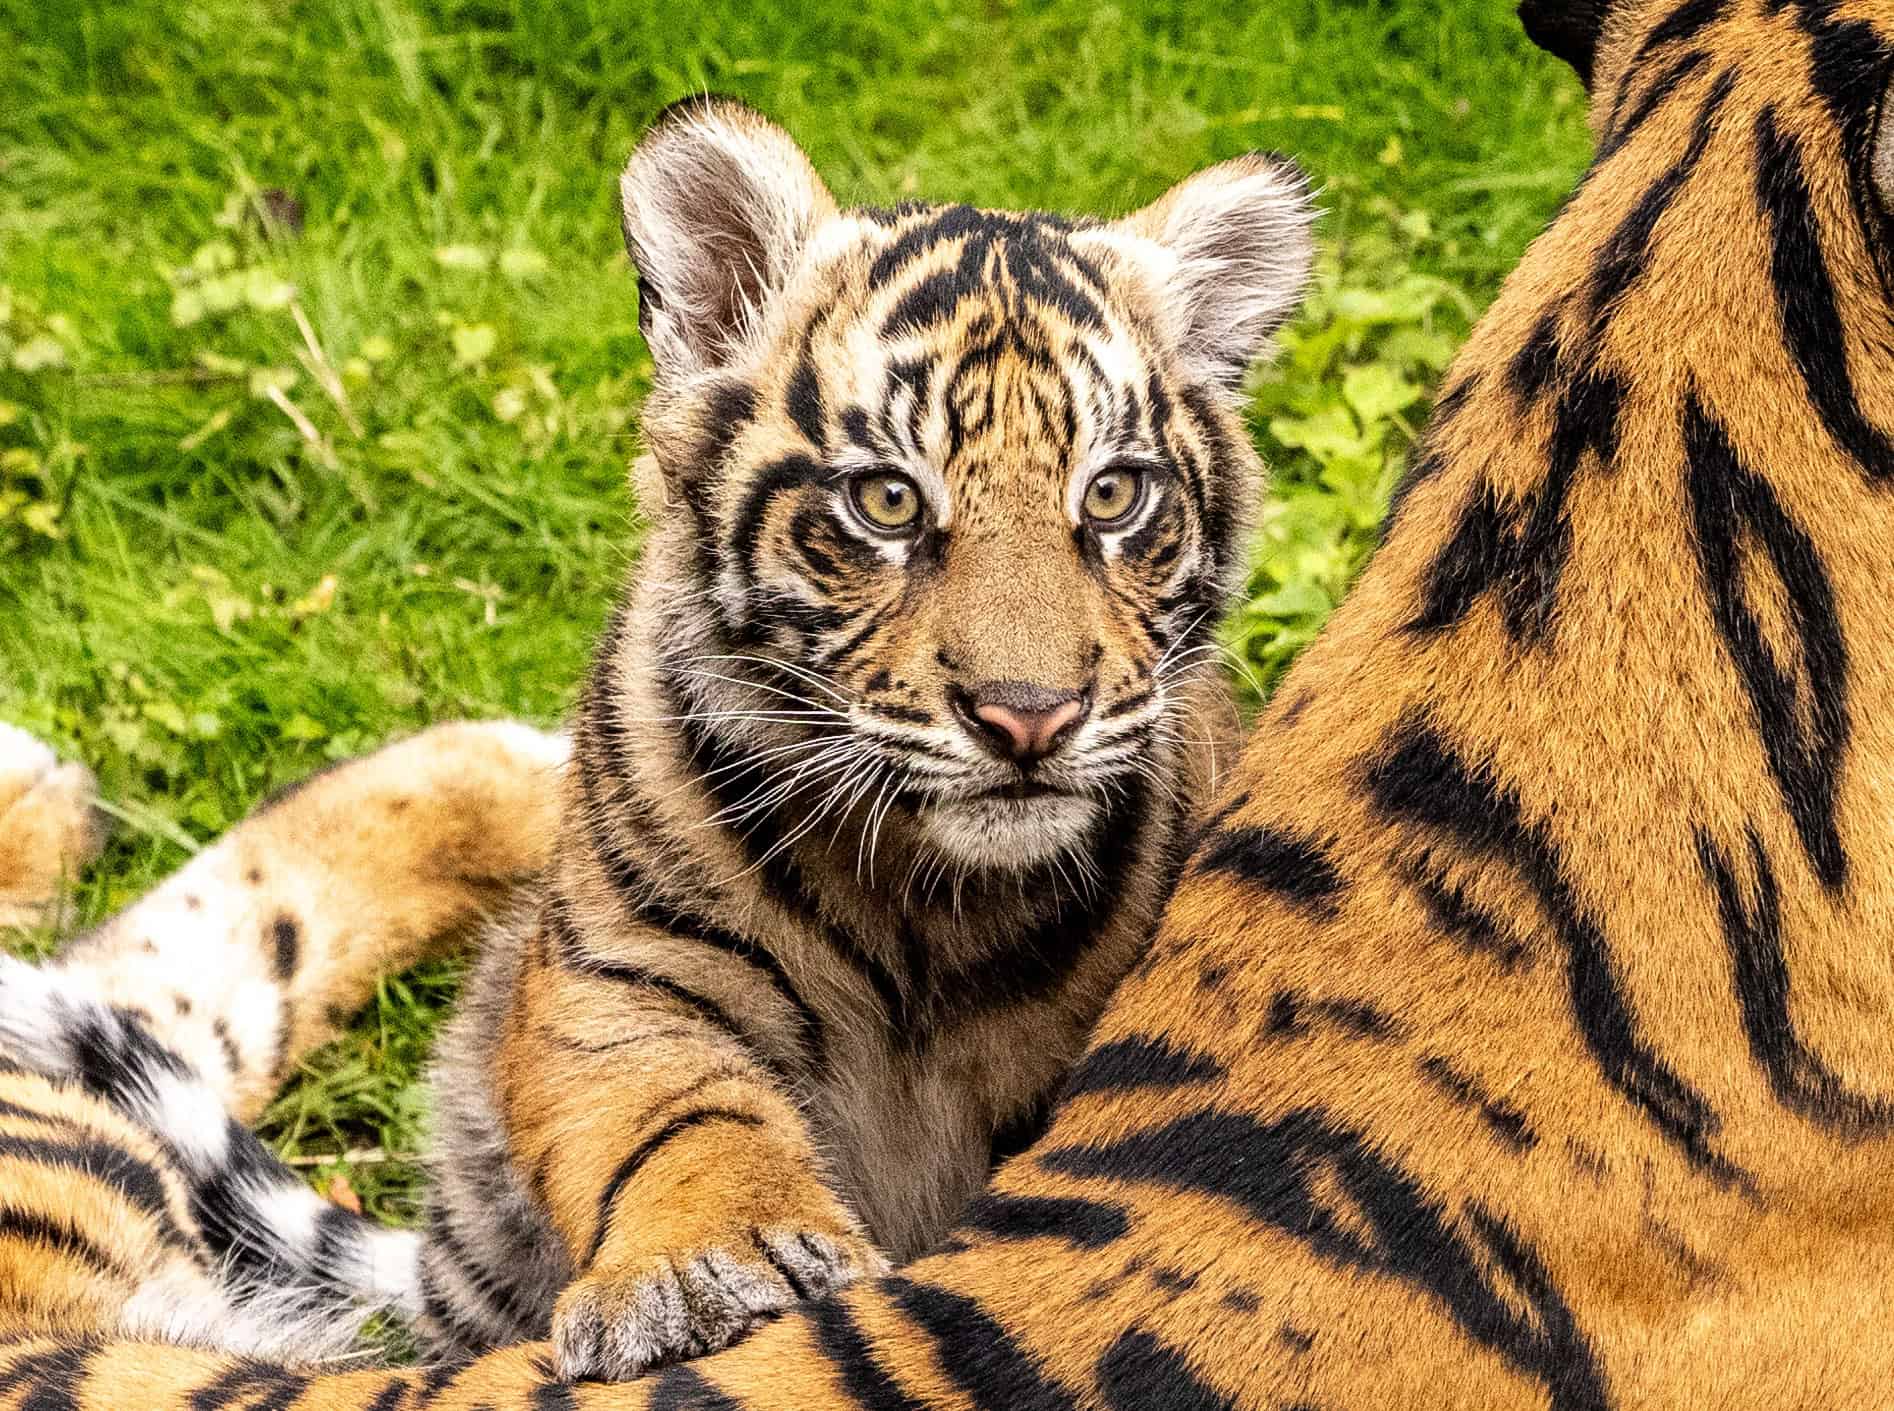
column 719, row 205
column 1237, row 245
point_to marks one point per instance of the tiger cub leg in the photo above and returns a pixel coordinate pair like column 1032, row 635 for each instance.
column 49, row 828
column 262, row 946
column 684, row 1183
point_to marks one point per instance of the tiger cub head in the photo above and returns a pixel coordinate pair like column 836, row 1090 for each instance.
column 949, row 499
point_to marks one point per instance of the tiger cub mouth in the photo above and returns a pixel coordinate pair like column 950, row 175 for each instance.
column 1024, row 789
column 1011, row 827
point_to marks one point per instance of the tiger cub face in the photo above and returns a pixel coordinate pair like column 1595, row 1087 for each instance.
column 961, row 492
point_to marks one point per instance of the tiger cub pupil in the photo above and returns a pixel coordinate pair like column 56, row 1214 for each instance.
column 1113, row 495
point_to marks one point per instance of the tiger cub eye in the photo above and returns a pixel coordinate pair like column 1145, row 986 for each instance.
column 887, row 501
column 1113, row 495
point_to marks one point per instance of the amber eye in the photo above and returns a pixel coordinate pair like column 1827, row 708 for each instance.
column 889, row 502
column 1113, row 495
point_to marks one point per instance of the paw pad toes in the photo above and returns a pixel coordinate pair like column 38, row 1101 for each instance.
column 619, row 1328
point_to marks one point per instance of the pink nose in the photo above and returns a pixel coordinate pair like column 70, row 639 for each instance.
column 1023, row 722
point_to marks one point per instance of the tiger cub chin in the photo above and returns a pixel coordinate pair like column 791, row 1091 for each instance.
column 887, row 760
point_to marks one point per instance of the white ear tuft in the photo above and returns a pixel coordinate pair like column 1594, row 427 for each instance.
column 1240, row 237
column 719, row 204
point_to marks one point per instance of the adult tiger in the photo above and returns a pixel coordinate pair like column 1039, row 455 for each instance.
column 1521, row 1032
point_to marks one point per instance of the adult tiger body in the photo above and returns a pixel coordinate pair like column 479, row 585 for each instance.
column 133, row 1196
column 1525, row 1041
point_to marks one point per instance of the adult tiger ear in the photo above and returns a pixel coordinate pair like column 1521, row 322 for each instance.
column 1567, row 29
column 719, row 203
column 1234, row 248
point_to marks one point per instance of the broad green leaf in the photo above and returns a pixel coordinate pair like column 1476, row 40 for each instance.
column 522, row 263
column 1329, row 432
column 467, row 257
column 1292, row 600
column 474, row 343
column 1377, row 392
column 38, row 353
column 303, row 727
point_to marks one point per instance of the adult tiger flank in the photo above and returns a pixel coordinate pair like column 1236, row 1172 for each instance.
column 133, row 1196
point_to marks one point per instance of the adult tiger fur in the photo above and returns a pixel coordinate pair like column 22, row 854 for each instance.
column 1519, row 1034
column 890, row 755
column 48, row 822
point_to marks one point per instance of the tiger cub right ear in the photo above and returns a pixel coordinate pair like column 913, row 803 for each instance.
column 1236, row 247
column 718, row 204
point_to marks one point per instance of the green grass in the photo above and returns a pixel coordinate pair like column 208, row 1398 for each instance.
column 202, row 603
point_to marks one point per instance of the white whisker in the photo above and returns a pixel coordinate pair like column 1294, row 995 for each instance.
column 763, row 686
column 877, row 814
column 776, row 791
column 801, row 673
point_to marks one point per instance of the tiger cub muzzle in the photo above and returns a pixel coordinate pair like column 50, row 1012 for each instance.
column 967, row 495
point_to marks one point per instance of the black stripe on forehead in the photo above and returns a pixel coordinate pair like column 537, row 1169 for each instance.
column 1060, row 411
column 972, row 405
column 1067, row 361
column 928, row 304
column 890, row 216
column 1077, row 352
column 1027, row 257
column 950, row 223
column 1111, row 401
column 917, row 376
column 803, row 397
column 969, row 413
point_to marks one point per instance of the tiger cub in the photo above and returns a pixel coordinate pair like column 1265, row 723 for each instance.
column 887, row 760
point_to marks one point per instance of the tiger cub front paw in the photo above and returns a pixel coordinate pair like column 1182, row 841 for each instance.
column 612, row 1326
